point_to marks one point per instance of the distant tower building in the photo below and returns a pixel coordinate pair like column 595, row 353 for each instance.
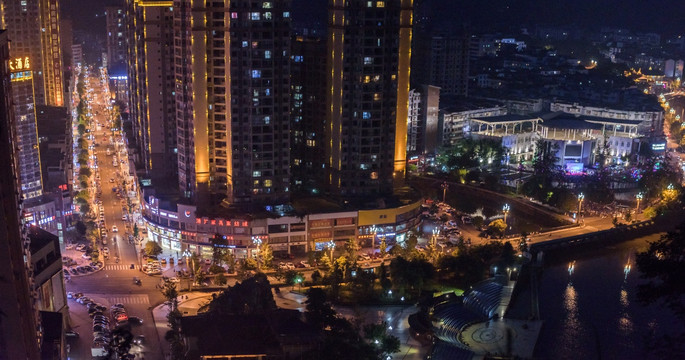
column 19, row 327
column 449, row 65
column 116, row 31
column 151, row 76
column 369, row 53
column 678, row 70
column 76, row 54
column 308, row 112
column 422, row 134
column 669, row 68
column 232, row 100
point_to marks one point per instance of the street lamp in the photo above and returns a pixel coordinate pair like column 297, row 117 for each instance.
column 444, row 187
column 434, row 238
column 638, row 197
column 506, row 209
column 257, row 242
column 581, row 197
column 331, row 246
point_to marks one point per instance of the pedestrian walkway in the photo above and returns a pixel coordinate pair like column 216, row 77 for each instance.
column 129, row 299
column 121, row 267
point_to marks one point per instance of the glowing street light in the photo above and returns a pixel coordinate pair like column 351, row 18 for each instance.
column 434, row 238
column 506, row 209
column 331, row 246
column 444, row 187
column 374, row 231
column 638, row 197
column 581, row 197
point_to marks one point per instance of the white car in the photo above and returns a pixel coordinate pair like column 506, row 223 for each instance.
column 86, row 256
column 124, row 217
column 174, row 280
column 114, row 228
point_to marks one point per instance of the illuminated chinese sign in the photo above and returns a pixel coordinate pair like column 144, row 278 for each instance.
column 20, row 64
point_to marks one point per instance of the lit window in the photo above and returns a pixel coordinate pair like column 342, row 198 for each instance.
column 286, row 14
column 267, row 92
column 380, row 4
column 368, row 60
column 256, row 74
column 234, row 15
column 267, row 183
column 311, row 143
column 267, row 120
column 366, row 115
column 267, row 16
column 367, row 79
column 256, row 173
column 376, row 96
column 245, row 43
column 254, row 16
column 267, row 54
column 297, row 161
column 266, row 5
column 255, row 44
column 369, row 4
column 298, row 58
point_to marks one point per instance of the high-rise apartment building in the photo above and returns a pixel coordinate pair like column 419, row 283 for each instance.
column 422, row 122
column 448, row 67
column 51, row 52
column 116, row 31
column 151, row 79
column 232, row 99
column 308, row 112
column 369, row 53
column 19, row 327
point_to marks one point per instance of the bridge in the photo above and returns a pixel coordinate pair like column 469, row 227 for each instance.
column 603, row 237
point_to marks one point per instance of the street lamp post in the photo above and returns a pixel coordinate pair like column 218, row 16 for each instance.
column 258, row 242
column 374, row 231
column 444, row 187
column 434, row 238
column 581, row 197
column 331, row 246
column 506, row 209
column 638, row 197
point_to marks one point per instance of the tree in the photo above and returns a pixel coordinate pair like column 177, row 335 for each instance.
column 135, row 231
column 290, row 277
column 152, row 248
column 508, row 255
column 320, row 313
column 377, row 335
column 266, row 254
column 173, row 336
column 352, row 247
column 497, row 227
column 316, row 276
column 84, row 209
column 85, row 171
column 383, row 247
column 386, row 284
column 219, row 248
column 221, row 279
column 662, row 265
column 81, row 129
column 81, row 228
column 229, row 260
column 252, row 296
column 477, row 221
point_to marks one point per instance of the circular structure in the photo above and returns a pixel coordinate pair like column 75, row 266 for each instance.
column 487, row 335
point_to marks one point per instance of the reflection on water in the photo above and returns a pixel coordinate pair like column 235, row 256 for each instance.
column 590, row 310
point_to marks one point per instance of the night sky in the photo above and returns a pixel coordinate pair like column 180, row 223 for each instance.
column 662, row 16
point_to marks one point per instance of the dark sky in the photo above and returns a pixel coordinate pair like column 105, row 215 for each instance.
column 662, row 16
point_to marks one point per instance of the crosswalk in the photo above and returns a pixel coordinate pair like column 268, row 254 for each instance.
column 121, row 267
column 129, row 299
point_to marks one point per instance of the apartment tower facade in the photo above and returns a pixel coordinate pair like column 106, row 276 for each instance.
column 116, row 31
column 231, row 63
column 369, row 53
column 151, row 90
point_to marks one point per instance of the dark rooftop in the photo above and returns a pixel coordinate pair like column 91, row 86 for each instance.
column 40, row 239
column 562, row 120
column 505, row 118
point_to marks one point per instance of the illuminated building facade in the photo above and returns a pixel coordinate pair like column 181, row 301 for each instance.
column 116, row 34
column 52, row 53
column 19, row 327
column 308, row 113
column 231, row 63
column 369, row 52
column 151, row 77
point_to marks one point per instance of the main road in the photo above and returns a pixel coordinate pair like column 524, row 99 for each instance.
column 114, row 284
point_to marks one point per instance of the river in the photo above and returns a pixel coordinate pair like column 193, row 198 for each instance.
column 589, row 306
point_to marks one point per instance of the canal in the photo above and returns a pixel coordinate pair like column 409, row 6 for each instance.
column 589, row 307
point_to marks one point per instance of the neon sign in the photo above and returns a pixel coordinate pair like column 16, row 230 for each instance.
column 20, row 64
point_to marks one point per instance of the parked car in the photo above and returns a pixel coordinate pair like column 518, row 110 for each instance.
column 134, row 320
column 114, row 228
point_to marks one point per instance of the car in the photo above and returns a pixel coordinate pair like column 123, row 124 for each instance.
column 124, row 217
column 163, row 261
column 364, row 257
column 73, row 271
column 83, row 300
column 282, row 266
column 86, row 256
column 174, row 280
column 139, row 339
column 105, row 249
column 114, row 228
column 305, row 264
column 69, row 246
column 71, row 334
column 70, row 295
column 111, row 180
column 80, row 247
column 208, row 261
column 290, row 266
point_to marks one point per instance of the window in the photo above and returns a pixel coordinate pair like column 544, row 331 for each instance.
column 256, row 74
column 311, row 143
column 286, row 14
column 298, row 58
column 245, row 43
column 380, row 4
column 366, row 115
column 254, row 16
column 256, row 173
column 234, row 15
column 267, row 16
column 267, row 54
column 368, row 60
column 266, row 5
column 267, row 183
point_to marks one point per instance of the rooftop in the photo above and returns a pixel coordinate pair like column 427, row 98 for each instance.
column 505, row 118
column 40, row 239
